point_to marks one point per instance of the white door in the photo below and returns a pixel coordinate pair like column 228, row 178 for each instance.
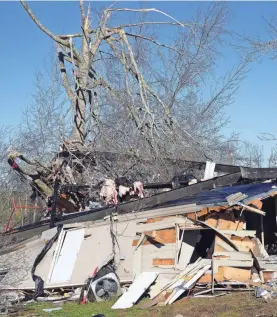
column 65, row 255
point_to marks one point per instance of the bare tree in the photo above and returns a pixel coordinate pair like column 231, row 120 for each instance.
column 38, row 136
column 249, row 154
column 272, row 161
column 111, row 73
column 45, row 121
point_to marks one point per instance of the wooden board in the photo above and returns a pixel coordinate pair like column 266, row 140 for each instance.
column 244, row 244
column 134, row 292
column 164, row 236
column 217, row 262
column 166, row 261
column 233, row 255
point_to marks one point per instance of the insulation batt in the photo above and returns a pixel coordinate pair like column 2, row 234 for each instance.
column 108, row 192
column 138, row 187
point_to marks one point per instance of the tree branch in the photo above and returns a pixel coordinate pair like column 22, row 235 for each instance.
column 146, row 23
column 151, row 40
column 148, row 10
column 56, row 38
column 82, row 11
column 42, row 27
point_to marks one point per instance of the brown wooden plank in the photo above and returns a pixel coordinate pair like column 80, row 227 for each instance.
column 166, row 261
column 157, row 219
column 159, row 237
column 162, row 236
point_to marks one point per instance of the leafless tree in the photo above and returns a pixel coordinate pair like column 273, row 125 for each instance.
column 272, row 161
column 128, row 71
column 45, row 121
column 38, row 136
column 249, row 154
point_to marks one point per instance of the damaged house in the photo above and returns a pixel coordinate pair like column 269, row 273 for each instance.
column 214, row 235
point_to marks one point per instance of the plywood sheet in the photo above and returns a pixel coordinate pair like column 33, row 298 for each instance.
column 189, row 241
column 228, row 274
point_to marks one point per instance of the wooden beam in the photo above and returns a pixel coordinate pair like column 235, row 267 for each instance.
column 255, row 210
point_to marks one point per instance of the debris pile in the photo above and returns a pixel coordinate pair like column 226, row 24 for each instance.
column 201, row 240
column 87, row 180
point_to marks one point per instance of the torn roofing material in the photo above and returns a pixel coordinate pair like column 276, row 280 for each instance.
column 252, row 191
column 199, row 193
column 137, row 205
column 218, row 196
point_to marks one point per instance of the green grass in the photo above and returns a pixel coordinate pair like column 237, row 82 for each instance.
column 235, row 305
column 72, row 309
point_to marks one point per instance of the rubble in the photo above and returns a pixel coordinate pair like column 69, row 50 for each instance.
column 209, row 242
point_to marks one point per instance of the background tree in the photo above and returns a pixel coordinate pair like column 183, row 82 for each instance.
column 258, row 47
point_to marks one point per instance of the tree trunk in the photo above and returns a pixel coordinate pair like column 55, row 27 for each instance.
column 79, row 118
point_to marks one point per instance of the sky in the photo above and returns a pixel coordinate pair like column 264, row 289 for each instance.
column 24, row 50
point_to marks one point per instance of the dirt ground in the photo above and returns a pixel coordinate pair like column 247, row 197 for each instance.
column 230, row 305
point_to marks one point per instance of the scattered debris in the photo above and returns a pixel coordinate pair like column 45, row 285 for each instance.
column 205, row 244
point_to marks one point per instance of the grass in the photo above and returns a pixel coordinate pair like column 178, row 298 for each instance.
column 235, row 305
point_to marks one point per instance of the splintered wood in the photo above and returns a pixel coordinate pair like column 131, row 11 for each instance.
column 171, row 244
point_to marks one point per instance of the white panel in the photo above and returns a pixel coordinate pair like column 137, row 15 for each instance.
column 188, row 245
column 139, row 286
column 65, row 259
column 209, row 170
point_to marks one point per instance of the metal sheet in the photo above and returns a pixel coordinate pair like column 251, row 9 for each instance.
column 220, row 194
